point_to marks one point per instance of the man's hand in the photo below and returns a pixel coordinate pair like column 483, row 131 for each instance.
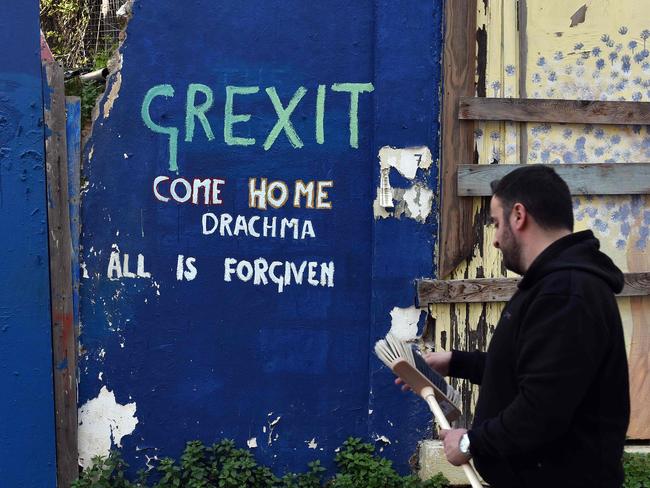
column 451, row 442
column 437, row 361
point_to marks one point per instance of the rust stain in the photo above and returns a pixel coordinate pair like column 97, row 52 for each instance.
column 65, row 321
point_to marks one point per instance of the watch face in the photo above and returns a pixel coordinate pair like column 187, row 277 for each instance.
column 464, row 444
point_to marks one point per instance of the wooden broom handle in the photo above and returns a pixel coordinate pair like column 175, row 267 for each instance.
column 430, row 398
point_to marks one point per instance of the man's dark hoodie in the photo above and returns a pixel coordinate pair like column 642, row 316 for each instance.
column 554, row 406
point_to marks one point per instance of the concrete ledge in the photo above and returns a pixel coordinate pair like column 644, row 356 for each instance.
column 638, row 450
column 432, row 461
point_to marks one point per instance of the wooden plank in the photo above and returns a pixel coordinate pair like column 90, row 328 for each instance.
column 73, row 146
column 639, row 354
column 555, row 111
column 583, row 179
column 63, row 332
column 459, row 63
column 483, row 290
column 522, row 28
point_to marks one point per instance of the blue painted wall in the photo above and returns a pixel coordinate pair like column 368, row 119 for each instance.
column 408, row 81
column 212, row 356
column 27, row 448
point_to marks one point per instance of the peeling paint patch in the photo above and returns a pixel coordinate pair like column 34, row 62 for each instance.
column 252, row 443
column 149, row 464
column 114, row 94
column 312, row 444
column 272, row 425
column 579, row 17
column 382, row 438
column 419, row 200
column 378, row 211
column 406, row 161
column 414, row 203
column 102, row 423
column 404, row 322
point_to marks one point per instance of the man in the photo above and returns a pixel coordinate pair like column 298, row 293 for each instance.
column 553, row 407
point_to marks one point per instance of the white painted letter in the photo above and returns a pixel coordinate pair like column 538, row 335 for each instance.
column 215, row 223
column 322, row 195
column 188, row 190
column 274, row 278
column 156, row 182
column 257, row 197
column 311, row 277
column 327, row 274
column 114, row 266
column 307, row 230
column 261, row 266
column 141, row 272
column 228, row 269
column 293, row 223
column 277, row 202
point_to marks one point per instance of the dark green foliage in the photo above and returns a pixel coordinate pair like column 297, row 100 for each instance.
column 223, row 465
column 360, row 467
column 637, row 470
column 105, row 473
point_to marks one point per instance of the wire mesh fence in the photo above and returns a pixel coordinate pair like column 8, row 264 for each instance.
column 78, row 31
column 104, row 25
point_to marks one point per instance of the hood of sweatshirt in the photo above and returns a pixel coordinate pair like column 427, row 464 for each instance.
column 579, row 251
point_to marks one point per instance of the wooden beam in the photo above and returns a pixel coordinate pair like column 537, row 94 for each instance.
column 64, row 353
column 500, row 289
column 583, row 179
column 556, row 111
column 457, row 140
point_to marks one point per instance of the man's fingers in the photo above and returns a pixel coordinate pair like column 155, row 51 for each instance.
column 400, row 382
column 443, row 433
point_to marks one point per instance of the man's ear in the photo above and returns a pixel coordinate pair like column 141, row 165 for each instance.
column 518, row 216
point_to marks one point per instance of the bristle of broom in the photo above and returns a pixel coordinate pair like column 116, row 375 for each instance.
column 393, row 349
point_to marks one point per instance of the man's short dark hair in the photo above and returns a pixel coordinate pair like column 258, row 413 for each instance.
column 537, row 187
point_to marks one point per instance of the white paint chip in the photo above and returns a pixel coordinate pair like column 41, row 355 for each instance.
column 404, row 322
column 272, row 426
column 114, row 93
column 419, row 201
column 382, row 438
column 312, row 444
column 406, row 161
column 378, row 211
column 102, row 423
column 252, row 443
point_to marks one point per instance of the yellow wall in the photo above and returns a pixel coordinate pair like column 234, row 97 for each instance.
column 602, row 58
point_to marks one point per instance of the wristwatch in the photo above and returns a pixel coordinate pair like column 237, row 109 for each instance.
column 464, row 444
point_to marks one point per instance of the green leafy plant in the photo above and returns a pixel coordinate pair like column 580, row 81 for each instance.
column 105, row 473
column 223, row 465
column 360, row 467
column 64, row 24
column 637, row 470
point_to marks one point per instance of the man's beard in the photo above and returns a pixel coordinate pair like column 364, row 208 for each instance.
column 511, row 251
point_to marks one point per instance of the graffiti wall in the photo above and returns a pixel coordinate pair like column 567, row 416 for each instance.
column 238, row 262
column 27, row 408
